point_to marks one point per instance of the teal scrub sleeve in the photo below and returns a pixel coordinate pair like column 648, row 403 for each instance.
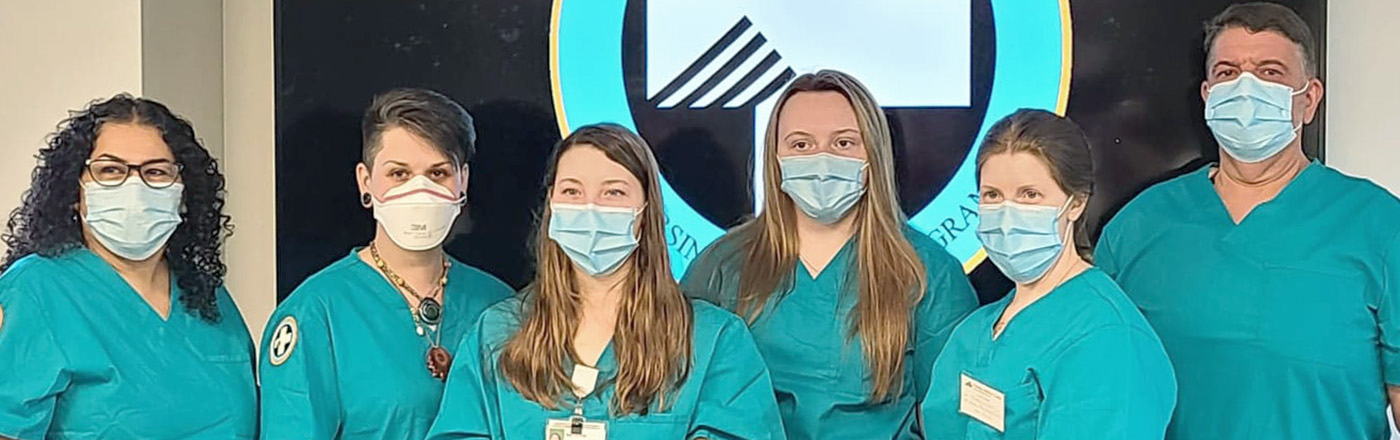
column 736, row 399
column 469, row 405
column 1094, row 390
column 952, row 299
column 1388, row 313
column 300, row 398
column 32, row 368
column 1104, row 259
column 703, row 279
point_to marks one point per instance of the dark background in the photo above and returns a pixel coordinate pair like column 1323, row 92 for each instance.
column 1138, row 65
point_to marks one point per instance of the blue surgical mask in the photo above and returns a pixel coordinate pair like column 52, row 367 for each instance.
column 597, row 238
column 824, row 186
column 132, row 220
column 1024, row 241
column 1252, row 119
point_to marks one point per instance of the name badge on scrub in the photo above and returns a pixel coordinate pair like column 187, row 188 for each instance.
column 982, row 402
column 576, row 427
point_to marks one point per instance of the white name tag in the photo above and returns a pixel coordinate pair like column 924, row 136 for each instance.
column 982, row 402
column 575, row 428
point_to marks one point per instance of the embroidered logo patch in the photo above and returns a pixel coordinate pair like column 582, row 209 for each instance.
column 284, row 341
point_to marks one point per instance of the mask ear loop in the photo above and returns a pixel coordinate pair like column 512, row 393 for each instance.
column 1064, row 209
column 1306, row 86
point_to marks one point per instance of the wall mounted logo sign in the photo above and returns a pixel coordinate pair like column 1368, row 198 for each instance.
column 698, row 80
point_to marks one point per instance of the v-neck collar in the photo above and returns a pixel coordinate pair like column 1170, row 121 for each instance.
column 606, row 363
column 379, row 286
column 1005, row 302
column 103, row 269
column 390, row 293
column 842, row 258
column 1202, row 187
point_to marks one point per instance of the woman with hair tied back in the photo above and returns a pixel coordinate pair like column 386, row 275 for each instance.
column 849, row 305
column 1065, row 355
column 114, row 321
column 603, row 345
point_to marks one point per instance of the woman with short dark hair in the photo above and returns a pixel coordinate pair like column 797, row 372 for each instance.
column 360, row 350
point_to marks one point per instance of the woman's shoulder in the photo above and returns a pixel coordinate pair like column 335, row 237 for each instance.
column 710, row 316
column 314, row 292
column 723, row 253
column 1096, row 303
column 54, row 275
column 478, row 279
column 935, row 257
column 335, row 275
column 499, row 321
column 37, row 266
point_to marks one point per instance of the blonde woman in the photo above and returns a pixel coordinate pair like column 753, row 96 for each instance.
column 849, row 306
column 603, row 344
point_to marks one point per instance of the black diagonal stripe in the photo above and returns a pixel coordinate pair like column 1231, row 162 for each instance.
column 749, row 79
column 772, row 87
column 724, row 71
column 705, row 59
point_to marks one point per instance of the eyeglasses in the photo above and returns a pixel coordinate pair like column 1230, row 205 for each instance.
column 159, row 173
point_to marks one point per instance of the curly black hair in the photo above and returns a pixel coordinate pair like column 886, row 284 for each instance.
column 47, row 223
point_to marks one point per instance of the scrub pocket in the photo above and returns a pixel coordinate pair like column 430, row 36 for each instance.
column 1022, row 415
column 658, row 426
column 1312, row 315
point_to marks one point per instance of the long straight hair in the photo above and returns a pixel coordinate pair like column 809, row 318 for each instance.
column 652, row 339
column 889, row 275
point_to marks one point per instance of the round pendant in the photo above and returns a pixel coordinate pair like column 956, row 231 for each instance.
column 430, row 311
column 439, row 362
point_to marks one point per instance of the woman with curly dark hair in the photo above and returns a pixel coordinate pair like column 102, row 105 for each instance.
column 114, row 322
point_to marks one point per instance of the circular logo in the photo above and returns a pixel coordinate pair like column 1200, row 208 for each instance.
column 698, row 81
column 284, row 341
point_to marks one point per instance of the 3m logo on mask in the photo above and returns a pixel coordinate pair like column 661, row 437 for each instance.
column 699, row 80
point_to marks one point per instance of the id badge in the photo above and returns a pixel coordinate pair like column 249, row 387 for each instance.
column 982, row 402
column 575, row 428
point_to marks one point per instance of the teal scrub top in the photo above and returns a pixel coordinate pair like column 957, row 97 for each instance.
column 83, row 356
column 1079, row 363
column 357, row 368
column 727, row 395
column 1285, row 326
column 819, row 374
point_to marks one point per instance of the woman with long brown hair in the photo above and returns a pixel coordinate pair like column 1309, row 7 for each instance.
column 603, row 344
column 849, row 306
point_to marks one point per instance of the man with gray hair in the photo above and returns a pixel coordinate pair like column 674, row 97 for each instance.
column 1273, row 280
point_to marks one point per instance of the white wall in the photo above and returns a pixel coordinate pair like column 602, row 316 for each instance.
column 1363, row 97
column 249, row 158
column 182, row 63
column 56, row 56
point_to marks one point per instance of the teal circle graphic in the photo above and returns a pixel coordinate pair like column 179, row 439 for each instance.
column 1032, row 48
